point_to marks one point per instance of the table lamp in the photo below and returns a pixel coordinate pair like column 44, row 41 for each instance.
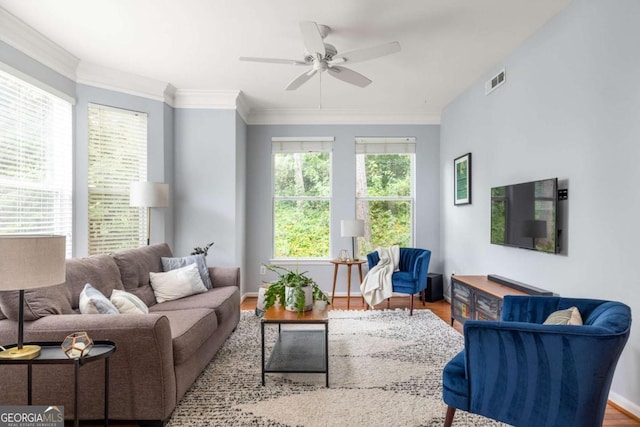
column 149, row 195
column 29, row 262
column 352, row 228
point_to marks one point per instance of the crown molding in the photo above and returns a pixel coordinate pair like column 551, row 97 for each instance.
column 121, row 81
column 242, row 107
column 22, row 37
column 206, row 98
column 339, row 116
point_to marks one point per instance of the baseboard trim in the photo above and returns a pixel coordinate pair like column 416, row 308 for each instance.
column 624, row 405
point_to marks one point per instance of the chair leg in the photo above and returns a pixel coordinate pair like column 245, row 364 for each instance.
column 388, row 299
column 448, row 420
column 411, row 306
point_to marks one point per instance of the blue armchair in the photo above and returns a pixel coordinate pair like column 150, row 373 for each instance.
column 523, row 373
column 412, row 275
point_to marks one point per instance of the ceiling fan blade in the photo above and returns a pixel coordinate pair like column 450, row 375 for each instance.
column 312, row 38
column 301, row 79
column 273, row 60
column 365, row 54
column 349, row 76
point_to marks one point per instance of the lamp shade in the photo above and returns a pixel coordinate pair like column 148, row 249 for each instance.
column 149, row 194
column 31, row 261
column 352, row 228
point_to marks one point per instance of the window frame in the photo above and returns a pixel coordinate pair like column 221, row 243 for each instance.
column 54, row 160
column 137, row 214
column 387, row 146
column 300, row 145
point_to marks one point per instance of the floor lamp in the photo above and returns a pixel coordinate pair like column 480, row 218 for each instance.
column 149, row 195
column 352, row 228
column 29, row 262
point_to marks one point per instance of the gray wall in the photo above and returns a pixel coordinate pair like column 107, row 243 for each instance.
column 209, row 157
column 259, row 204
column 569, row 109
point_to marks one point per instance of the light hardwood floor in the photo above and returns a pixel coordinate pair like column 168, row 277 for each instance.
column 613, row 416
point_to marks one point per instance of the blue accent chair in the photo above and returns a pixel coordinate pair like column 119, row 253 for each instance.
column 412, row 275
column 527, row 374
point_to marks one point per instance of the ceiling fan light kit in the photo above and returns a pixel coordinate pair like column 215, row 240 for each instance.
column 323, row 57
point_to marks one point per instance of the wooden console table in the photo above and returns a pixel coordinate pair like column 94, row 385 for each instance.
column 480, row 297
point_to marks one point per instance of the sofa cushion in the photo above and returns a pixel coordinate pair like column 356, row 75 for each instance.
column 135, row 265
column 223, row 300
column 92, row 301
column 128, row 303
column 177, row 283
column 189, row 330
column 169, row 264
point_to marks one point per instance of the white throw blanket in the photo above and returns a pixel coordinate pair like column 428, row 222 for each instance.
column 376, row 286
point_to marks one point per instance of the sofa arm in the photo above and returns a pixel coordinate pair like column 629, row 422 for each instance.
column 224, row 276
column 142, row 378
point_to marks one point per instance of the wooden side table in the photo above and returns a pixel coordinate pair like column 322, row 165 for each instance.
column 348, row 263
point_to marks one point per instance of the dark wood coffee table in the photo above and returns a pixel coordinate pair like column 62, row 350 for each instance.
column 297, row 350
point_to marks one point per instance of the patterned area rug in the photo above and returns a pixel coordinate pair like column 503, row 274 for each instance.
column 385, row 369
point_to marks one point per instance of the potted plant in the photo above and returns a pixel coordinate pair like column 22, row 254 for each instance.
column 295, row 290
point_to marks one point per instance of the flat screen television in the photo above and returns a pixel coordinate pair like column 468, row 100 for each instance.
column 525, row 215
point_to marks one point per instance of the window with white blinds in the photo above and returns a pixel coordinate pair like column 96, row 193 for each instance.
column 117, row 156
column 35, row 161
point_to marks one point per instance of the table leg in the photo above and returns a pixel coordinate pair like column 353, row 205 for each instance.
column 76, row 368
column 360, row 276
column 348, row 285
column 262, row 334
column 335, row 276
column 326, row 352
column 106, row 392
column 29, row 380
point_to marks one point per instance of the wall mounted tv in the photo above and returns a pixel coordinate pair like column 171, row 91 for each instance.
column 525, row 215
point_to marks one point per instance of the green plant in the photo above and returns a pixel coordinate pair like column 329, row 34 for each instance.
column 199, row 250
column 296, row 281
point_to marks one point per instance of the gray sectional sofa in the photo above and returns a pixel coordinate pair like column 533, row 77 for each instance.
column 159, row 355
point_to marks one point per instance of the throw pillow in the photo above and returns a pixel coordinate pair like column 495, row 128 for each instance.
column 177, row 283
column 570, row 316
column 128, row 303
column 92, row 301
column 169, row 264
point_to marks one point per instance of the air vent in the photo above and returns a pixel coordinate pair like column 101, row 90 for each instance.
column 495, row 82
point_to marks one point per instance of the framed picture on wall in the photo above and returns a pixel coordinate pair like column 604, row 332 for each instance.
column 462, row 180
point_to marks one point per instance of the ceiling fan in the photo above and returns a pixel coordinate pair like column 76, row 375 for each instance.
column 323, row 57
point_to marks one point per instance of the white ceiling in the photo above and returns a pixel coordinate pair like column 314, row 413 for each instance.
column 195, row 44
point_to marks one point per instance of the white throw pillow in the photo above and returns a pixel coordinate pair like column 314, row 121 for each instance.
column 128, row 303
column 92, row 301
column 177, row 283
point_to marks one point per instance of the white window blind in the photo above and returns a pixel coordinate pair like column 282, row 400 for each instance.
column 35, row 161
column 406, row 145
column 301, row 145
column 117, row 156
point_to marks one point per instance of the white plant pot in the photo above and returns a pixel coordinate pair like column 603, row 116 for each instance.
column 308, row 298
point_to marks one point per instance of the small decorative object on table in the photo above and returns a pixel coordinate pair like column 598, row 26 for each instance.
column 344, row 255
column 296, row 289
column 77, row 345
column 198, row 250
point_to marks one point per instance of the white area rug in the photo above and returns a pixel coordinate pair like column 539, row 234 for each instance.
column 385, row 369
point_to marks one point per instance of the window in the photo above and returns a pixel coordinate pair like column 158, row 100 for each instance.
column 35, row 161
column 301, row 198
column 117, row 156
column 385, row 191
